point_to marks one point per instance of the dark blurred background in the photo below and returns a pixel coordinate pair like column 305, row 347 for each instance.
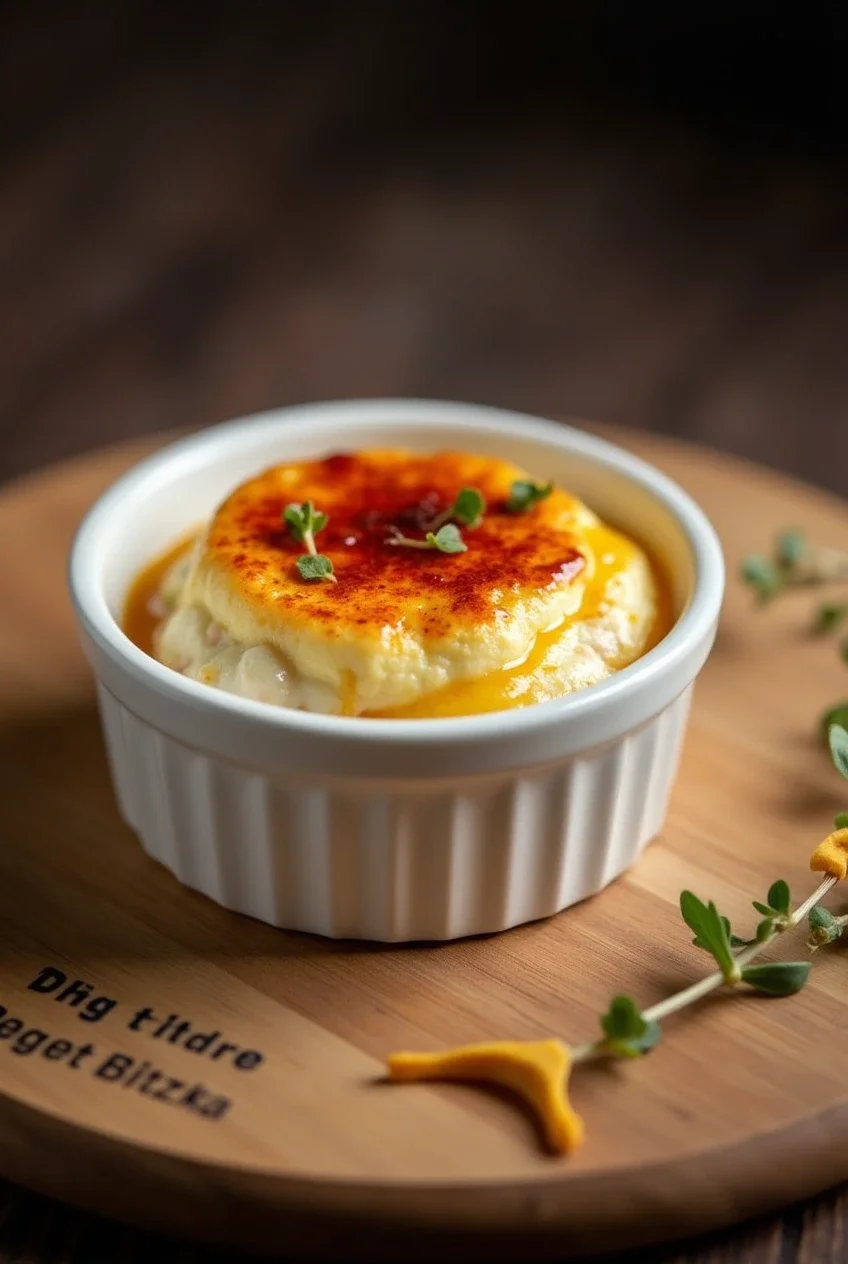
column 591, row 210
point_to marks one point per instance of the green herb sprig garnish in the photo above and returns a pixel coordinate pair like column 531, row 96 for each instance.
column 540, row 1069
column 444, row 535
column 467, row 510
column 524, row 494
column 713, row 933
column 830, row 617
column 448, row 539
column 794, row 562
column 304, row 522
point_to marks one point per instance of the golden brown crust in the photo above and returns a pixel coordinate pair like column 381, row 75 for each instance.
column 510, row 556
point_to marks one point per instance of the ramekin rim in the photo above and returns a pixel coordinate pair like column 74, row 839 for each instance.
column 692, row 626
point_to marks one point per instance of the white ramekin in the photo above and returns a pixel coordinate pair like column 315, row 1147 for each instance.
column 391, row 829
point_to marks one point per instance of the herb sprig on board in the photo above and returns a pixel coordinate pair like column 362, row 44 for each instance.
column 540, row 1070
column 793, row 563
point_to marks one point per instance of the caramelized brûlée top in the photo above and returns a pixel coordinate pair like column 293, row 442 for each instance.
column 403, row 630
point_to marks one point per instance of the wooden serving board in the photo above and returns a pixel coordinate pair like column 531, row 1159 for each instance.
column 743, row 1107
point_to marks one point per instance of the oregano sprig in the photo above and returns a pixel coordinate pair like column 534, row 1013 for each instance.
column 540, row 1069
column 794, row 562
column 468, row 510
column 304, row 522
column 713, row 933
column 524, row 494
column 772, row 978
column 448, row 539
column 627, row 1032
column 444, row 536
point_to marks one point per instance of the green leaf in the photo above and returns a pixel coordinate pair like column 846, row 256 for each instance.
column 628, row 1034
column 765, row 909
column 293, row 518
column 623, row 1020
column 824, row 927
column 736, row 941
column 314, row 566
column 700, row 943
column 820, row 918
column 637, row 1047
column 712, row 931
column 835, row 715
column 779, row 897
column 790, row 547
column 841, row 820
column 764, row 930
column 838, row 741
column 761, row 574
column 304, row 518
column 524, row 494
column 447, row 539
column 469, row 507
column 829, row 617
column 777, row 978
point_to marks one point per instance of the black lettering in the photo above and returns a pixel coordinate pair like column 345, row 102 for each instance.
column 137, row 1074
column 57, row 1049
column 215, row 1108
column 167, row 1091
column 29, row 1041
column 10, row 1027
column 115, row 1067
column 48, row 980
column 160, row 1031
column 249, row 1059
column 151, row 1079
column 84, row 1051
column 194, row 1097
column 75, row 993
column 98, row 1007
column 223, row 1048
column 200, row 1041
column 141, row 1016
column 179, row 1030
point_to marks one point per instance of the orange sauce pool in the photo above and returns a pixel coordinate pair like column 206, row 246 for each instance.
column 140, row 616
column 511, row 687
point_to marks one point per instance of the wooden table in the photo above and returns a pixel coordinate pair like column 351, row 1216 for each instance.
column 198, row 221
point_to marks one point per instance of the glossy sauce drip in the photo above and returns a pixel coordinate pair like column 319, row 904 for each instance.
column 523, row 684
column 518, row 685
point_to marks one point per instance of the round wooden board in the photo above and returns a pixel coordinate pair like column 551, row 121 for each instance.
column 742, row 1108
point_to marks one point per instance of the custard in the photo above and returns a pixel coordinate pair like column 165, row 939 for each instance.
column 540, row 603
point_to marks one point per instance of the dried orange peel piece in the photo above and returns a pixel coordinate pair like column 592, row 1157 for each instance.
column 831, row 855
column 536, row 1070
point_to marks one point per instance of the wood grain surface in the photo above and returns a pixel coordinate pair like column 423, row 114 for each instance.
column 743, row 1108
column 592, row 210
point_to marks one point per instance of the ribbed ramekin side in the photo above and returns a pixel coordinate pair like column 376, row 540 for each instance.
column 394, row 862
